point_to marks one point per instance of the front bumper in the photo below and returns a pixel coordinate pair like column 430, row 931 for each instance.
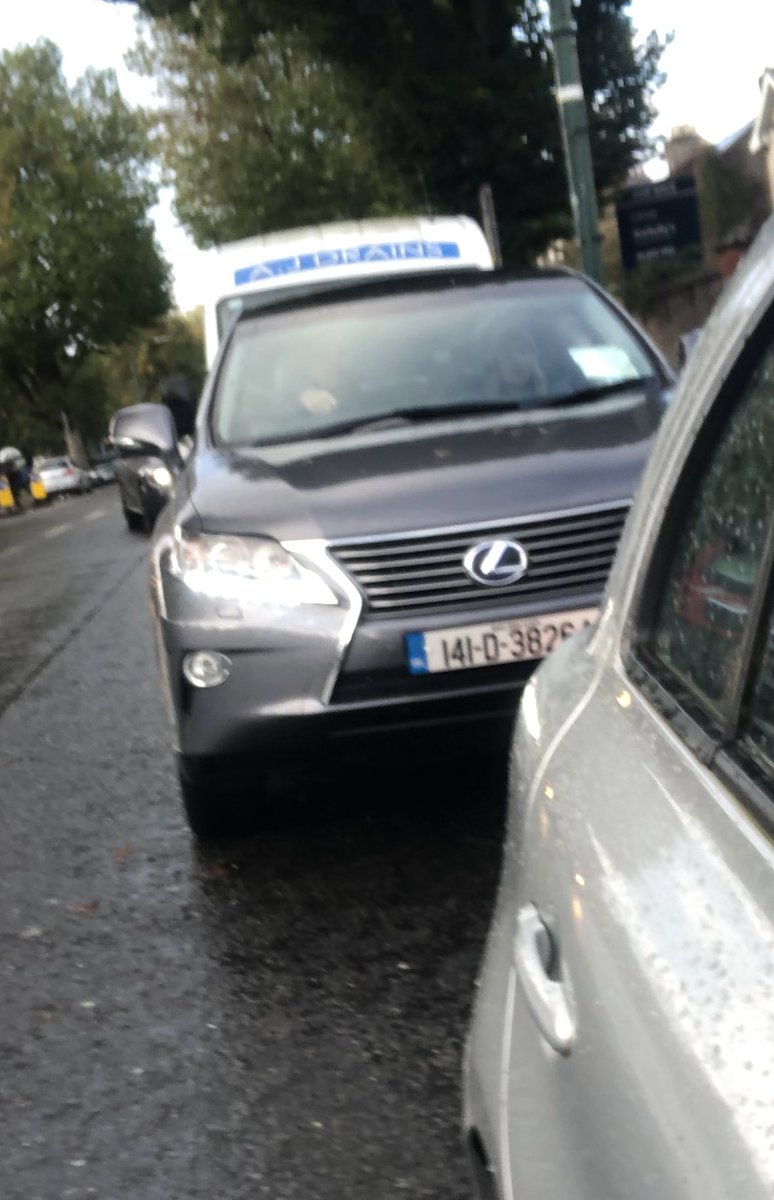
column 237, row 722
column 312, row 680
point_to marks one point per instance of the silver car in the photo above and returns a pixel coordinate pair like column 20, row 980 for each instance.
column 61, row 475
column 622, row 1043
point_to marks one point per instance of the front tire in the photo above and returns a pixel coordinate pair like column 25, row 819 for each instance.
column 148, row 520
column 135, row 522
column 211, row 812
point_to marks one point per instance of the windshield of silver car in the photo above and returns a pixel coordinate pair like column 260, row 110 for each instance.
column 420, row 355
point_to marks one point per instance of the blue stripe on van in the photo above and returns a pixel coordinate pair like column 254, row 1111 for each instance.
column 370, row 252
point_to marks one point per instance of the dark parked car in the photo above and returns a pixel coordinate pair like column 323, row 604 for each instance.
column 401, row 495
column 144, row 476
column 102, row 471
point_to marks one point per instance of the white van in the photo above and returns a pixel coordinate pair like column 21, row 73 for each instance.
column 320, row 254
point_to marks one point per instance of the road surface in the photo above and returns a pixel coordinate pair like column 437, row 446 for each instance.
column 279, row 1016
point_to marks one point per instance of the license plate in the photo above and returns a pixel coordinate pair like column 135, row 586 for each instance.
column 493, row 644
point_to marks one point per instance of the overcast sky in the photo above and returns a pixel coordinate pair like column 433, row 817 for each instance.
column 713, row 67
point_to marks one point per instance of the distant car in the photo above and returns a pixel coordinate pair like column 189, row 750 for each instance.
column 61, row 476
column 400, row 496
column 103, row 472
column 623, row 1036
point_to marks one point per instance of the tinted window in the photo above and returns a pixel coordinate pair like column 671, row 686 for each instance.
column 717, row 559
column 758, row 732
column 228, row 310
column 529, row 343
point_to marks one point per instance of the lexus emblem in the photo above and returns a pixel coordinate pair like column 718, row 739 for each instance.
column 496, row 564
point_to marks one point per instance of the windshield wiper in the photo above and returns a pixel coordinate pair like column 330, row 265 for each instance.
column 415, row 415
column 471, row 408
column 597, row 392
column 409, row 415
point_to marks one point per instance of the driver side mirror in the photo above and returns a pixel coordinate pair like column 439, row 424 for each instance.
column 144, row 429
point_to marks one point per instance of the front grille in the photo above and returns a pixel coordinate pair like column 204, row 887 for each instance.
column 423, row 572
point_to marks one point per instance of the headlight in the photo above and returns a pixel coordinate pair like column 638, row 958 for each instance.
column 247, row 570
column 161, row 476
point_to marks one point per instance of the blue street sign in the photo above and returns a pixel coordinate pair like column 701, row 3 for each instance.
column 657, row 220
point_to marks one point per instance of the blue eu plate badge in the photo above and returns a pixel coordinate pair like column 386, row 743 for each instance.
column 417, row 655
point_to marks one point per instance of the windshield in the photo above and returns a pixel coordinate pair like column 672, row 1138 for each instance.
column 518, row 343
column 228, row 309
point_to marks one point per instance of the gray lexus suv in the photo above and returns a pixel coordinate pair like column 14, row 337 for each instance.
column 401, row 495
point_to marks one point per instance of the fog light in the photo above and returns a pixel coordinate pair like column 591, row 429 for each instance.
column 206, row 668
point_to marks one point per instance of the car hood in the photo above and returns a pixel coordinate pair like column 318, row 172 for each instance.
column 429, row 475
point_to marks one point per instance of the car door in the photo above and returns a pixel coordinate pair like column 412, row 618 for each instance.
column 638, row 1044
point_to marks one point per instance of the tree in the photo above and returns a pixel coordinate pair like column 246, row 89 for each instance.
column 256, row 144
column 454, row 93
column 618, row 81
column 134, row 372
column 80, row 269
column 121, row 375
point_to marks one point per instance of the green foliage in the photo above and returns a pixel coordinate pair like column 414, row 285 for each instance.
column 109, row 380
column 175, row 347
column 645, row 286
column 134, row 372
column 262, row 143
column 79, row 266
column 439, row 96
column 618, row 80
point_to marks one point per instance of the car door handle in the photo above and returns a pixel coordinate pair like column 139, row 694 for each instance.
column 546, row 993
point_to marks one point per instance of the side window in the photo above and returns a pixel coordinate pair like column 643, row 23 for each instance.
column 756, row 736
column 701, row 618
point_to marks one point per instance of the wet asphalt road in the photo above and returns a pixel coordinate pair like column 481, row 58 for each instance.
column 277, row 1016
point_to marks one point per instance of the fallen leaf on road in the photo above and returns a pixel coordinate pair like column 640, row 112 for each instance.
column 219, row 870
column 90, row 906
column 123, row 853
